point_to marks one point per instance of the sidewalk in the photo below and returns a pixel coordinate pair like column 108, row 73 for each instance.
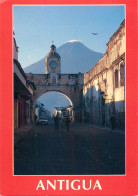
column 19, row 133
column 121, row 132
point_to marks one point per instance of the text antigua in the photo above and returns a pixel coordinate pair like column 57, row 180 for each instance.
column 69, row 185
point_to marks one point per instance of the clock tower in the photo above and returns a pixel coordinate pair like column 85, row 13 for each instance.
column 53, row 61
column 53, row 64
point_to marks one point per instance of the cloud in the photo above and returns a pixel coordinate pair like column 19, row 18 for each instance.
column 74, row 41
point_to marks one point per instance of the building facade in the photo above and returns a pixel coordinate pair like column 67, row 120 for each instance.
column 96, row 94
column 104, row 84
column 23, row 92
column 71, row 85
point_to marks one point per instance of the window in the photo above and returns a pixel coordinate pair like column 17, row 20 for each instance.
column 92, row 91
column 116, row 78
column 53, row 80
column 122, row 77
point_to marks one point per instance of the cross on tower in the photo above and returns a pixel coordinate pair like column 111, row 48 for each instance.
column 52, row 42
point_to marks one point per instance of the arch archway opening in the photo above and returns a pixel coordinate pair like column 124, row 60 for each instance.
column 54, row 103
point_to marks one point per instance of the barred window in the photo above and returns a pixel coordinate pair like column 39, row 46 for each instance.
column 116, row 78
column 122, row 77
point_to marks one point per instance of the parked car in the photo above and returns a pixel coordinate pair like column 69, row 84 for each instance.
column 42, row 121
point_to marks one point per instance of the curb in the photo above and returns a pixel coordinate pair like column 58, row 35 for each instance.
column 117, row 131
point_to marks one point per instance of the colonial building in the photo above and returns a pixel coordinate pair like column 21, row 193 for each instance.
column 64, row 112
column 95, row 95
column 40, row 110
column 70, row 85
column 23, row 91
column 104, row 84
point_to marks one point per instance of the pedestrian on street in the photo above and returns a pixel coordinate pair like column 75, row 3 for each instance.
column 56, row 122
column 35, row 119
column 112, row 120
column 67, row 123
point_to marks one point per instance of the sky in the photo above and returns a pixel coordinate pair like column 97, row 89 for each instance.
column 54, row 99
column 35, row 28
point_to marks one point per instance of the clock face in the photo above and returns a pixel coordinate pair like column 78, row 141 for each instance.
column 53, row 64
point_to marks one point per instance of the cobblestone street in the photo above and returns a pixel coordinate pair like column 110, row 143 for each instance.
column 83, row 150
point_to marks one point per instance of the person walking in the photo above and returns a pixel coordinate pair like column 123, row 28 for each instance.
column 112, row 120
column 56, row 122
column 67, row 123
column 35, row 119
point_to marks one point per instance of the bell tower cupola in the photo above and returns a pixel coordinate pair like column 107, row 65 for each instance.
column 53, row 61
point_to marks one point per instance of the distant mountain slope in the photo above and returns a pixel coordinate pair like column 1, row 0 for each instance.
column 53, row 99
column 75, row 57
